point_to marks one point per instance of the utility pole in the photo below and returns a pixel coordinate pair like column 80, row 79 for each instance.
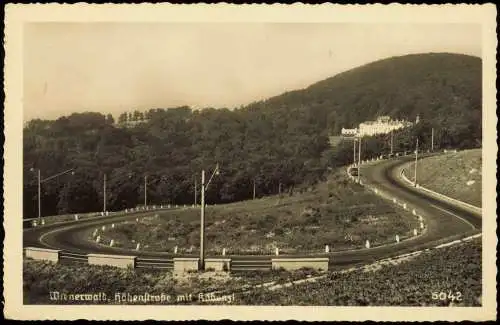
column 354, row 160
column 145, row 190
column 40, row 181
column 195, row 192
column 254, row 188
column 202, row 214
column 359, row 159
column 39, row 197
column 104, row 191
column 391, row 143
column 416, row 160
column 202, row 221
column 432, row 139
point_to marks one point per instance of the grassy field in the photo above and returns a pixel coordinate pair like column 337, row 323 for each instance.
column 441, row 277
column 449, row 276
column 457, row 175
column 337, row 213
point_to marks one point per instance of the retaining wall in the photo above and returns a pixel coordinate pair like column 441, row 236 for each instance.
column 122, row 261
column 218, row 264
column 183, row 264
column 298, row 263
column 43, row 254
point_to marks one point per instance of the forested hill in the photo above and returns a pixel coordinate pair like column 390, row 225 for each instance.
column 282, row 140
column 441, row 87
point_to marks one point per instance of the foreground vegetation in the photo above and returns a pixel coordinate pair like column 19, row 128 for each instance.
column 50, row 283
column 458, row 175
column 442, row 277
column 337, row 213
column 282, row 140
column 449, row 276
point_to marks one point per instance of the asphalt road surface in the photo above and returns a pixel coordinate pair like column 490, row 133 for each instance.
column 444, row 222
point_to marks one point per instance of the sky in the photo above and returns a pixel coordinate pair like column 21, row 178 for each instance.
column 118, row 67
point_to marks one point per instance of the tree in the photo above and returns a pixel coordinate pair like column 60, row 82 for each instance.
column 109, row 119
column 122, row 119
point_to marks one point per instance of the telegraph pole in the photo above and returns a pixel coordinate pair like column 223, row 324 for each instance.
column 195, row 192
column 202, row 221
column 254, row 188
column 354, row 160
column 359, row 159
column 391, row 143
column 145, row 190
column 39, row 197
column 40, row 181
column 104, row 191
column 204, row 187
column 432, row 139
column 416, row 160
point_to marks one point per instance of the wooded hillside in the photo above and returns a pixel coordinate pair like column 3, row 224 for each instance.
column 280, row 140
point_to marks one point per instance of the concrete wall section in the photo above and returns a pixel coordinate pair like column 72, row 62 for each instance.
column 42, row 254
column 112, row 260
column 183, row 264
column 298, row 263
column 218, row 264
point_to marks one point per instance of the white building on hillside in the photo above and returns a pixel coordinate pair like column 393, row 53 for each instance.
column 383, row 125
column 349, row 132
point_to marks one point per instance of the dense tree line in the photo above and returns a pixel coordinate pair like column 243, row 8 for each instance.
column 283, row 140
column 171, row 149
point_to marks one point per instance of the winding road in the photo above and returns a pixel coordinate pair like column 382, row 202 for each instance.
column 445, row 222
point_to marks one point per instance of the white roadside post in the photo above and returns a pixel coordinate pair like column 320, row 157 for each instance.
column 223, row 252
column 367, row 244
column 415, row 232
column 112, row 243
column 277, row 251
column 76, row 217
column 397, row 238
column 175, row 250
column 327, row 249
column 138, row 246
column 98, row 239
